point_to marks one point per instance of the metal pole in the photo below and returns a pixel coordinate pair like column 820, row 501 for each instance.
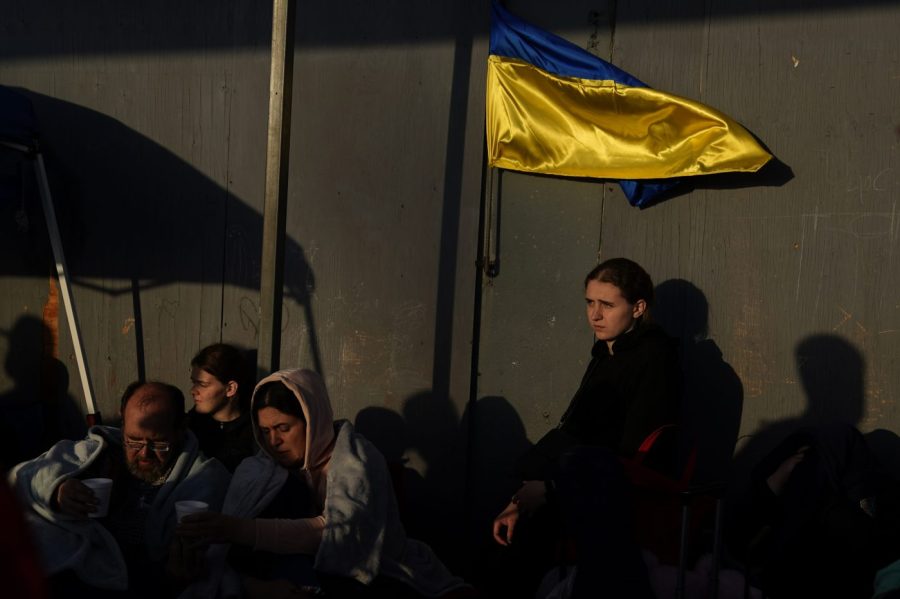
column 683, row 549
column 275, row 206
column 93, row 417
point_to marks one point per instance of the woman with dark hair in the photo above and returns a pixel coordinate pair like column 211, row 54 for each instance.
column 315, row 508
column 219, row 417
column 632, row 386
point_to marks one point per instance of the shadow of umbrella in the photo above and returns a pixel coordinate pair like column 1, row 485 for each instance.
column 133, row 216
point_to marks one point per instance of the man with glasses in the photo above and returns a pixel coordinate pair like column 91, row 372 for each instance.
column 153, row 461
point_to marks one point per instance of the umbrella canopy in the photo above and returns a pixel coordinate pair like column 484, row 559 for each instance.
column 17, row 124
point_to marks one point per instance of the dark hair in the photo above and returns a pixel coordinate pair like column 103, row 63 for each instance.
column 633, row 281
column 275, row 394
column 226, row 363
column 171, row 392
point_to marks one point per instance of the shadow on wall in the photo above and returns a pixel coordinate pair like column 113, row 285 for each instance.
column 38, row 411
column 134, row 216
column 497, row 439
column 387, row 430
column 432, row 506
column 429, row 502
column 713, row 393
column 130, row 28
column 832, row 373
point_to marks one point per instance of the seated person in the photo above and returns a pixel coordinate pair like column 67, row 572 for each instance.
column 153, row 462
column 316, row 508
column 219, row 418
column 631, row 387
column 818, row 516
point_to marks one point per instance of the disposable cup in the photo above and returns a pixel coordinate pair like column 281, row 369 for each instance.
column 102, row 487
column 188, row 506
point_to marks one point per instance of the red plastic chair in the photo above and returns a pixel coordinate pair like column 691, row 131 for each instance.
column 669, row 509
column 672, row 510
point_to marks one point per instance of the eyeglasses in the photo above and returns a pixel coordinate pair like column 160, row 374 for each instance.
column 157, row 446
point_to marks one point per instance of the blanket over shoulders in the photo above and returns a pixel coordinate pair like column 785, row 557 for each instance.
column 363, row 536
column 84, row 545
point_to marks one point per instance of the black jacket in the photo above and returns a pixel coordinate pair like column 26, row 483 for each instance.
column 622, row 398
column 229, row 442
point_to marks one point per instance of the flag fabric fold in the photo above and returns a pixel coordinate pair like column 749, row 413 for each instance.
column 554, row 108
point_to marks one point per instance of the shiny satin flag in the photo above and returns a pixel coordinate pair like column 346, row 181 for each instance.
column 554, row 108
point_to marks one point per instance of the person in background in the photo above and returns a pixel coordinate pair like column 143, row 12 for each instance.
column 819, row 516
column 219, row 418
column 153, row 461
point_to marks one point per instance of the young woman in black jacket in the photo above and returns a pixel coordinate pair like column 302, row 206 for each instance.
column 220, row 385
column 631, row 387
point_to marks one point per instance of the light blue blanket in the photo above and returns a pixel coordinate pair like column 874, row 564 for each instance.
column 363, row 536
column 85, row 546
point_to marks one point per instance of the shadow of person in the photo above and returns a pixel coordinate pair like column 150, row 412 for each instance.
column 801, row 486
column 713, row 393
column 433, row 433
column 38, row 410
column 832, row 374
column 386, row 430
column 497, row 439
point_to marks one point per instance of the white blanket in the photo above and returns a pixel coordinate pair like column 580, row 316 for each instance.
column 85, row 546
column 363, row 536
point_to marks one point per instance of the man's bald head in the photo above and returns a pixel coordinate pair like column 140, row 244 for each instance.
column 152, row 429
column 149, row 393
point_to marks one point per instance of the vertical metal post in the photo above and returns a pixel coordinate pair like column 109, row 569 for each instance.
column 492, row 224
column 92, row 415
column 683, row 549
column 717, row 551
column 275, row 206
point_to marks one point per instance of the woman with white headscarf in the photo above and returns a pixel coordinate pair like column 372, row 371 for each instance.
column 314, row 508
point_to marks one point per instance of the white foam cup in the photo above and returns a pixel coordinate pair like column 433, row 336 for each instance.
column 188, row 506
column 102, row 488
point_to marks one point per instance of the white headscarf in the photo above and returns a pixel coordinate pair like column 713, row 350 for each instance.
column 309, row 389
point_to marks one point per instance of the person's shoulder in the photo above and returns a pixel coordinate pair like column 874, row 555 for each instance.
column 107, row 433
column 208, row 468
column 254, row 467
column 352, row 445
column 195, row 419
column 240, row 426
column 652, row 340
column 98, row 437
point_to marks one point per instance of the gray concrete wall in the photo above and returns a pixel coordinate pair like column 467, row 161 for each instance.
column 154, row 122
column 782, row 286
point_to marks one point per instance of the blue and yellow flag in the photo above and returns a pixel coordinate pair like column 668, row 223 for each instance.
column 554, row 108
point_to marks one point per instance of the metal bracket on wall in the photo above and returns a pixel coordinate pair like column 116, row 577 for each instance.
column 491, row 261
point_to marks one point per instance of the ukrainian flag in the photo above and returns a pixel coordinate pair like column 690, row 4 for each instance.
column 554, row 108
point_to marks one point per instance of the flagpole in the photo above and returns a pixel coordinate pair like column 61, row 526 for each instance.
column 275, row 203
